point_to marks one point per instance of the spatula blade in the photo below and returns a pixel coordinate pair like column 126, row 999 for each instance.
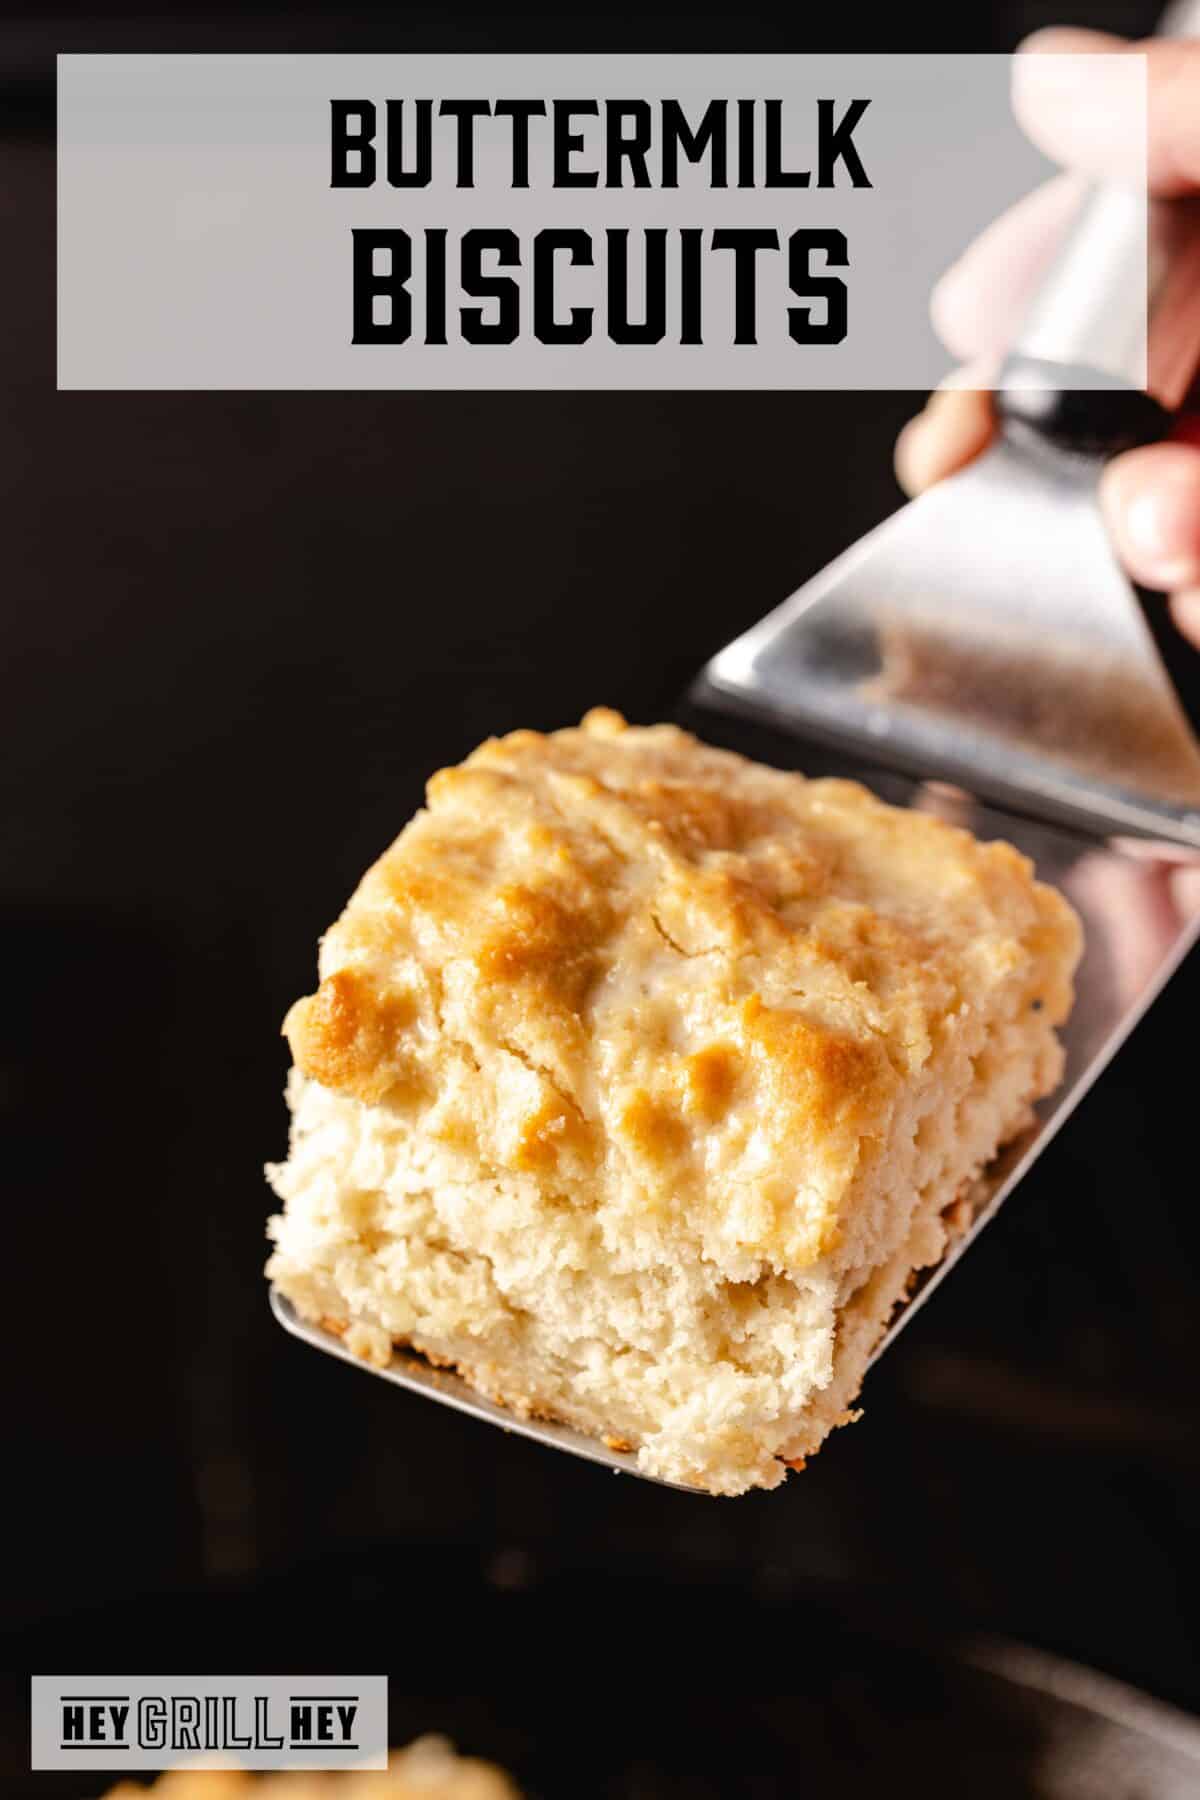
column 985, row 633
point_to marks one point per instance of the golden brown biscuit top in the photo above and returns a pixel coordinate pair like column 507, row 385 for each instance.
column 630, row 964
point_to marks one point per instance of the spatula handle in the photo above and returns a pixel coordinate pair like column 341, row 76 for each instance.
column 1118, row 313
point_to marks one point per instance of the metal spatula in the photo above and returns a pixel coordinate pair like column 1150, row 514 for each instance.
column 985, row 636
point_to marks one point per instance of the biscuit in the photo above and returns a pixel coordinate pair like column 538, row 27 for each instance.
column 428, row 1770
column 640, row 1077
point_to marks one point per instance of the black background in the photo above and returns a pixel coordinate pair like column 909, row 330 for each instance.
column 239, row 631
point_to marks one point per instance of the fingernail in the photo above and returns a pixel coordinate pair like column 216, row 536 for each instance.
column 1162, row 528
column 910, row 456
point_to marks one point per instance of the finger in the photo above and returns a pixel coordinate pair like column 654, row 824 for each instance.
column 980, row 300
column 1069, row 109
column 956, row 424
column 1079, row 96
column 1082, row 116
column 1151, row 502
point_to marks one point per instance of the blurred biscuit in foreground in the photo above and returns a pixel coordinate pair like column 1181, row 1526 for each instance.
column 430, row 1769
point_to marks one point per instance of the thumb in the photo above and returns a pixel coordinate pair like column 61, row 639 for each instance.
column 1081, row 114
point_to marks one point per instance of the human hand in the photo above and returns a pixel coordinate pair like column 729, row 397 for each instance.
column 1150, row 496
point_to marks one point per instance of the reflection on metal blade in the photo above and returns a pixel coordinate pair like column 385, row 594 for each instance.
column 985, row 633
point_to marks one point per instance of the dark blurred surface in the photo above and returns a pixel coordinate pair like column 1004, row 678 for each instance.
column 240, row 630
column 675, row 1686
